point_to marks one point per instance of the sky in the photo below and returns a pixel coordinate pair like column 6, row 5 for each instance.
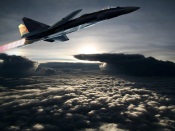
column 149, row 31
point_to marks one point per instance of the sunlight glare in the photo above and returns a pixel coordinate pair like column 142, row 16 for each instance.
column 18, row 52
column 88, row 50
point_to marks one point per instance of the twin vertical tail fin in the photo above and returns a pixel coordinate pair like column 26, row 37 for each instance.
column 29, row 26
column 33, row 25
column 23, row 30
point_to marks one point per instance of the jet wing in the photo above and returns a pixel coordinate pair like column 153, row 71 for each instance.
column 66, row 19
column 61, row 38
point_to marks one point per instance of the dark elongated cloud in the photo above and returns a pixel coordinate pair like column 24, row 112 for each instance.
column 133, row 64
column 15, row 66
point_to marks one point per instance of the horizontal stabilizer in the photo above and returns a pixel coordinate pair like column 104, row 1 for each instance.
column 59, row 38
column 33, row 25
column 66, row 19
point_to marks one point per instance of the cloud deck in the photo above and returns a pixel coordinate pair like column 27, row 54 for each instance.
column 87, row 100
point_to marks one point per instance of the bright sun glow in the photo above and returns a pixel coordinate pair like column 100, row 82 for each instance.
column 17, row 51
column 88, row 50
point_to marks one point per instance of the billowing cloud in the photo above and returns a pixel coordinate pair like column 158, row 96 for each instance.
column 133, row 64
column 45, row 71
column 86, row 100
column 15, row 66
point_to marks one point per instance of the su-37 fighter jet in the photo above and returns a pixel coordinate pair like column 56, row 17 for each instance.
column 32, row 31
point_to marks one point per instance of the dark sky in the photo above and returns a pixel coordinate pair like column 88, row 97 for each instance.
column 149, row 31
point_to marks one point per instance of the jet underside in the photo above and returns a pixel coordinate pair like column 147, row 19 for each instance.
column 73, row 29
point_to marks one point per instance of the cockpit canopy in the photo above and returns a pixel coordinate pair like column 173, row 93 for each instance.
column 112, row 7
column 108, row 7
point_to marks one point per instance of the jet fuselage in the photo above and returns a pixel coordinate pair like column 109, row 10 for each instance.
column 32, row 31
column 81, row 22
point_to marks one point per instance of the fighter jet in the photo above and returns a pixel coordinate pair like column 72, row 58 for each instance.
column 32, row 31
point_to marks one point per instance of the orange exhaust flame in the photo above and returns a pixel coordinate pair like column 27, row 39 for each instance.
column 12, row 45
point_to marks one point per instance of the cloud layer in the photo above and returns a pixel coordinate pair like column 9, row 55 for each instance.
column 18, row 66
column 87, row 100
column 133, row 64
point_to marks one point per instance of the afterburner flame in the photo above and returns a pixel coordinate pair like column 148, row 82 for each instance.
column 12, row 45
